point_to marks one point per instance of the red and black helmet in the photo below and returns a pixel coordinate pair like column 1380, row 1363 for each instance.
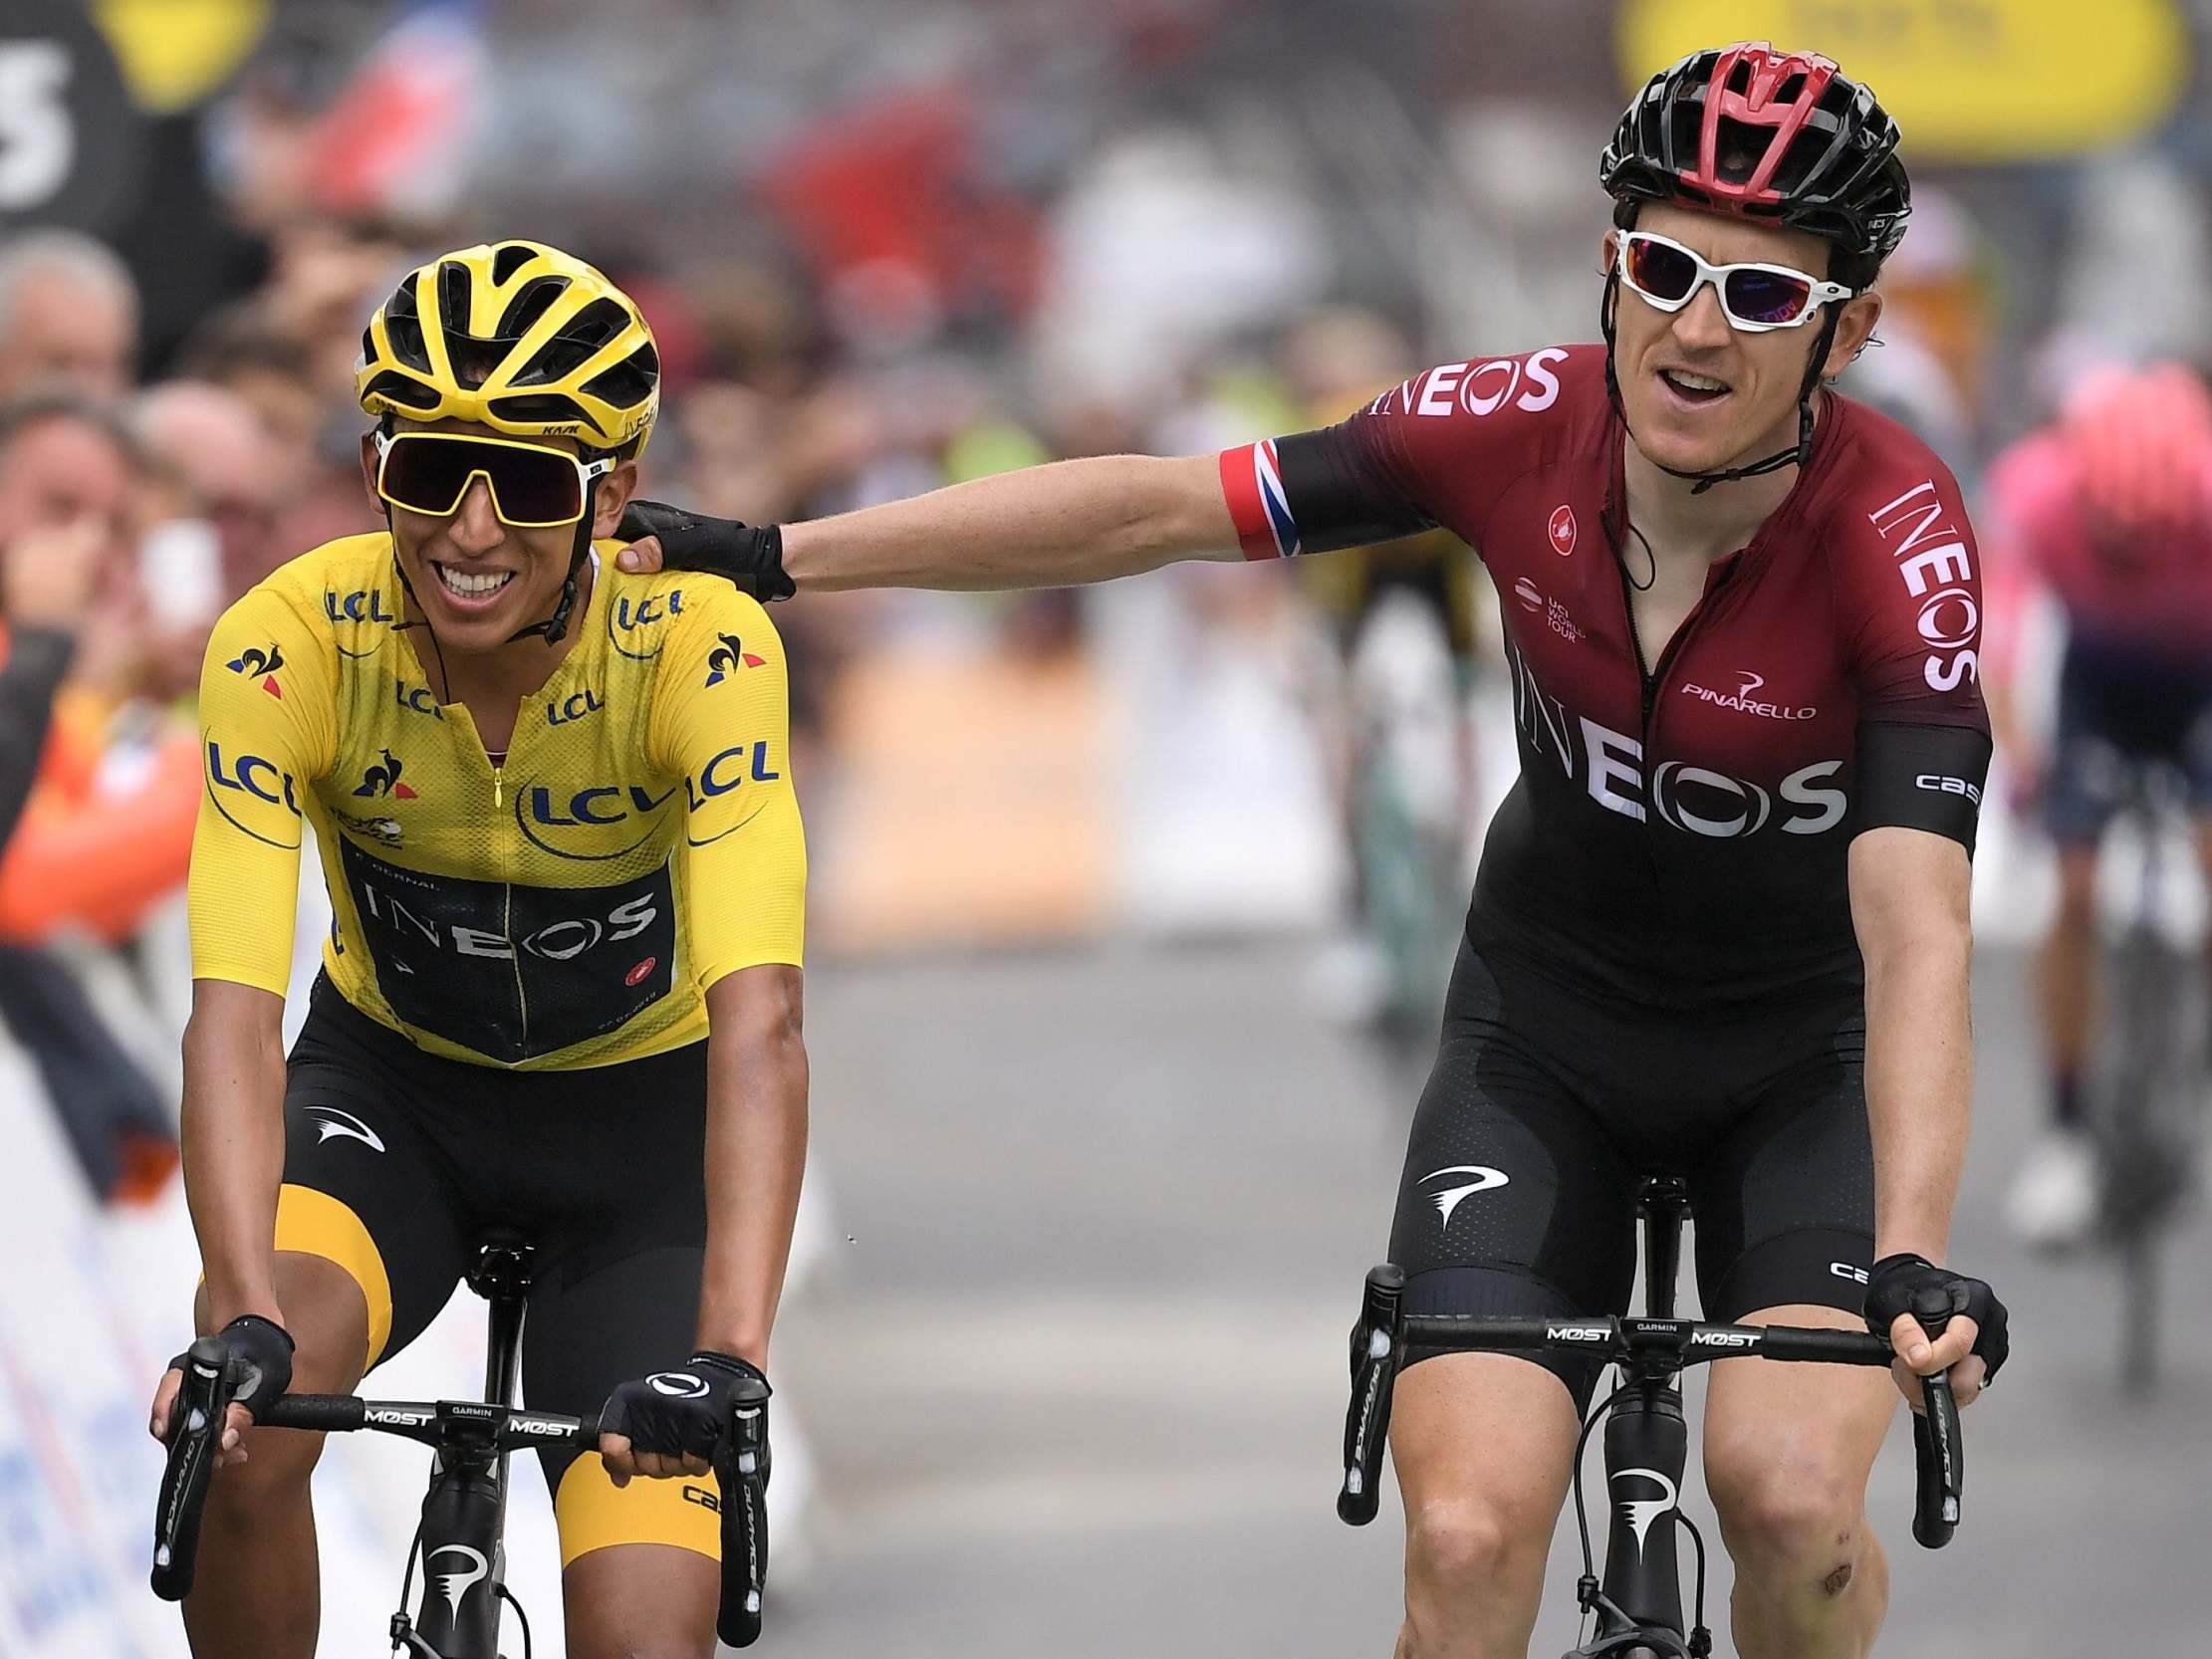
column 1786, row 138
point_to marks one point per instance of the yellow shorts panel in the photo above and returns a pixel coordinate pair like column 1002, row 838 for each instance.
column 592, row 1512
column 316, row 1224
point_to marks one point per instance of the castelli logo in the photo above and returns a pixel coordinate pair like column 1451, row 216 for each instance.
column 1562, row 530
column 636, row 975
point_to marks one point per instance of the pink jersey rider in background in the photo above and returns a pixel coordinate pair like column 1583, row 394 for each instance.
column 2109, row 510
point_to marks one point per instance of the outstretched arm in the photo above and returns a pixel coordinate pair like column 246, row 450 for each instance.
column 1047, row 525
column 1371, row 478
column 1041, row 527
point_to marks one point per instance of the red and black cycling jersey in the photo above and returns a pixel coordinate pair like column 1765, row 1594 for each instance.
column 1677, row 836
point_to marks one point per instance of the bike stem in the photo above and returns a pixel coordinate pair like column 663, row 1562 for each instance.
column 464, row 1513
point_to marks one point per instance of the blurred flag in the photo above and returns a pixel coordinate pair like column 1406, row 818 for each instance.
column 400, row 135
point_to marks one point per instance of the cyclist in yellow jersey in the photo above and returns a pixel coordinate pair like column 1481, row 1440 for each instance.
column 562, row 993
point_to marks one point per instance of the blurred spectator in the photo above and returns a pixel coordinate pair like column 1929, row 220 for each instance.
column 46, row 586
column 82, row 847
column 69, row 315
column 215, row 466
column 235, row 351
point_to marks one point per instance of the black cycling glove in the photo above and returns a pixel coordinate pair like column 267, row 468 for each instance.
column 257, row 1361
column 683, row 1413
column 751, row 556
column 1911, row 1284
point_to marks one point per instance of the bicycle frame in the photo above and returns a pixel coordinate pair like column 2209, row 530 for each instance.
column 464, row 1513
column 1648, row 1441
column 1638, row 1603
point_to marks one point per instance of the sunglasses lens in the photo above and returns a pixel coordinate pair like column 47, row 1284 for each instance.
column 1767, row 296
column 427, row 472
column 1662, row 272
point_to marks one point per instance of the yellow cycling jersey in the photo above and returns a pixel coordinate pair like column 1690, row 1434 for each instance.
column 566, row 907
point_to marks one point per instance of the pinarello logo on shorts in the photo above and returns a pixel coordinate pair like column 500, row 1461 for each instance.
column 1525, row 591
column 1562, row 530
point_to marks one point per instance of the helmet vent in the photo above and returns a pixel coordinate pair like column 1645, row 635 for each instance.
column 629, row 382
column 400, row 389
column 1791, row 86
column 511, row 257
column 550, row 408
column 453, row 295
column 406, row 336
column 596, row 323
column 531, row 304
column 1739, row 150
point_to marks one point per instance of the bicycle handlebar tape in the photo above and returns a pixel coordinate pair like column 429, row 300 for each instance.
column 1377, row 1345
column 195, row 1436
column 741, row 1467
column 324, row 1413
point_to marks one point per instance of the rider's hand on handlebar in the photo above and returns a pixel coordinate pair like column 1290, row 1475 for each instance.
column 1905, row 1294
column 671, row 1423
column 259, row 1359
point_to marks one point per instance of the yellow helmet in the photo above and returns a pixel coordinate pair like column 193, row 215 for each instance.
column 520, row 337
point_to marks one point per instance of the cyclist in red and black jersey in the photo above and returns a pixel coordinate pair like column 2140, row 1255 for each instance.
column 1720, row 928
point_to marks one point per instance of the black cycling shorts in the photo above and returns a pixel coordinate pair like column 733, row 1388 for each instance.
column 397, row 1163
column 1546, row 1110
column 2116, row 710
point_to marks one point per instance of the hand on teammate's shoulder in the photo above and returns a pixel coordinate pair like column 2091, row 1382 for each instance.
column 750, row 556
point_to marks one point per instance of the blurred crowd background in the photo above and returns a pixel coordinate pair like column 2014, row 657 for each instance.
column 888, row 244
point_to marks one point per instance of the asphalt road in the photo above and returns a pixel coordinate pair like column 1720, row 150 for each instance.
column 1074, row 1376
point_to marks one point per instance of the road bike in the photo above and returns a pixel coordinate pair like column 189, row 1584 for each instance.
column 2147, row 1075
column 458, row 1542
column 1635, row 1609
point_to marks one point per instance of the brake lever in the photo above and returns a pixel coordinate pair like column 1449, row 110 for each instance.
column 1378, row 1343
column 1940, row 1448
column 741, row 1469
column 195, row 1436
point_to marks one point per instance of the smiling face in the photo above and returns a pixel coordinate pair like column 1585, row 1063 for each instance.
column 1702, row 395
column 478, row 580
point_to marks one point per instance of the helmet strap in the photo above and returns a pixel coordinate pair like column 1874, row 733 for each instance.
column 556, row 627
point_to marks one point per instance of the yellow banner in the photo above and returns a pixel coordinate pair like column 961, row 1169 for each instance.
column 1967, row 80
column 174, row 52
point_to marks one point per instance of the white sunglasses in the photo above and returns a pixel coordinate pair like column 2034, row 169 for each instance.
column 1754, row 298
